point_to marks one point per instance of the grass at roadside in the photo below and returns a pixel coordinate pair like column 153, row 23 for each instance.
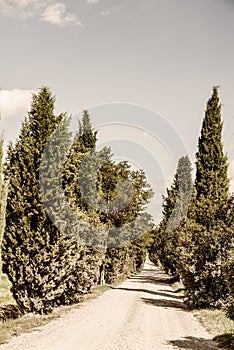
column 219, row 325
column 178, row 288
column 5, row 294
column 24, row 324
column 215, row 321
column 29, row 322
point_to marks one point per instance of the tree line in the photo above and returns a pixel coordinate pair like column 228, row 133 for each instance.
column 195, row 238
column 50, row 258
column 72, row 218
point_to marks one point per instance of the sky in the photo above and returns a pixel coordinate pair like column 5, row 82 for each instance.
column 143, row 68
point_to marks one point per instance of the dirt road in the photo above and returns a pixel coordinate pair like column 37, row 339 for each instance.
column 143, row 313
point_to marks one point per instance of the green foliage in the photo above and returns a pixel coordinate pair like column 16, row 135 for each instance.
column 126, row 259
column 198, row 246
column 201, row 264
column 79, row 183
column 211, row 175
column 5, row 293
column 229, row 275
column 74, row 166
column 175, row 208
column 37, row 257
column 113, row 198
column 129, row 257
column 3, row 199
column 229, row 265
column 205, row 237
column 60, row 196
column 125, row 226
column 218, row 325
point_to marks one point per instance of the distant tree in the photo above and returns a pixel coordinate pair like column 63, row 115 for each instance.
column 129, row 256
column 175, row 209
column 126, row 193
column 161, row 245
column 111, row 195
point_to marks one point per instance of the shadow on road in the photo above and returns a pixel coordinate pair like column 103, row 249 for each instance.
column 191, row 343
column 154, row 280
column 167, row 295
column 225, row 340
column 173, row 291
column 165, row 303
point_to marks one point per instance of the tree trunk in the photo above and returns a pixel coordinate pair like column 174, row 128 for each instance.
column 101, row 280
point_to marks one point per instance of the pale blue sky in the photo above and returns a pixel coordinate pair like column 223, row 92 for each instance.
column 164, row 55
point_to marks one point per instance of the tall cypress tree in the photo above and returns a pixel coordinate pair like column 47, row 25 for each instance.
column 37, row 256
column 211, row 204
column 211, row 167
column 206, row 237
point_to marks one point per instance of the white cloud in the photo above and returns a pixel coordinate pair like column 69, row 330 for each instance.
column 92, row 1
column 57, row 14
column 14, row 105
column 46, row 10
column 105, row 13
column 13, row 102
column 21, row 8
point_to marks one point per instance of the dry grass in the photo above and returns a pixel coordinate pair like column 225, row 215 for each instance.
column 5, row 294
column 178, row 288
column 215, row 321
column 219, row 325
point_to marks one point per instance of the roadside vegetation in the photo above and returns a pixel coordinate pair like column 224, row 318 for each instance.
column 219, row 325
column 5, row 293
column 194, row 242
column 216, row 321
column 60, row 242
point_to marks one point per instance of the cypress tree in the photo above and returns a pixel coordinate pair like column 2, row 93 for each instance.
column 212, row 187
column 175, row 209
column 206, row 237
column 37, row 256
column 78, row 168
column 161, row 238
column 211, row 182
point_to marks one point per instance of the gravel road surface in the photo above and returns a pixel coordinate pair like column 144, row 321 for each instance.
column 143, row 313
